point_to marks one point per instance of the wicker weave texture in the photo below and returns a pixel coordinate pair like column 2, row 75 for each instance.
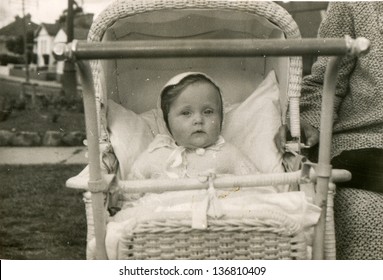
column 171, row 239
column 123, row 8
column 329, row 242
column 247, row 242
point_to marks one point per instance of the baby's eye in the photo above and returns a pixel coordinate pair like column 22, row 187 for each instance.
column 186, row 113
column 208, row 111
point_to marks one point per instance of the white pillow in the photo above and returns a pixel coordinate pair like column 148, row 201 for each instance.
column 251, row 127
column 129, row 135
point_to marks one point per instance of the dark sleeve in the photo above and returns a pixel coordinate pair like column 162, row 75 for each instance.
column 339, row 21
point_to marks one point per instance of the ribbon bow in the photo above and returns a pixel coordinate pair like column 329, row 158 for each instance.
column 209, row 206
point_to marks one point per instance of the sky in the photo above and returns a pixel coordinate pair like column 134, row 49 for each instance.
column 46, row 11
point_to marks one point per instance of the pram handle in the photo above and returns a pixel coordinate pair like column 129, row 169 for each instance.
column 211, row 48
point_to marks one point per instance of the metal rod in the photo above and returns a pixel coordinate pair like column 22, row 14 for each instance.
column 203, row 48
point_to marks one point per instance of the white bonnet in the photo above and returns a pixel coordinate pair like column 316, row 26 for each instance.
column 179, row 77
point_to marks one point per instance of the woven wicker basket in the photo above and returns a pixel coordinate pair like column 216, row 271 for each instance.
column 222, row 240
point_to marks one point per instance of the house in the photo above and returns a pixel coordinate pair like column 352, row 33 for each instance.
column 44, row 38
column 81, row 23
column 49, row 34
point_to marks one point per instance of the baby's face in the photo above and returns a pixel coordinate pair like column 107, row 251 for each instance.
column 195, row 116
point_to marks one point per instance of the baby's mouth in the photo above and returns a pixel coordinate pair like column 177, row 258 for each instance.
column 198, row 132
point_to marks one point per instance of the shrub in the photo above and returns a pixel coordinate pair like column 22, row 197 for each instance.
column 6, row 59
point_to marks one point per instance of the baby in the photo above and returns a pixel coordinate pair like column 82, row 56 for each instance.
column 192, row 109
column 190, row 146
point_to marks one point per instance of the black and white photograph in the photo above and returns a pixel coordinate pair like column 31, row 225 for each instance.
column 185, row 130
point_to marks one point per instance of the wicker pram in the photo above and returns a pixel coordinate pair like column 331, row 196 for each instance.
column 241, row 32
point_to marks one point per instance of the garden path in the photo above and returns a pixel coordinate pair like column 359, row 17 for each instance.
column 42, row 155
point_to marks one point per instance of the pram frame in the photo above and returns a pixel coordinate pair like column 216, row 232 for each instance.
column 81, row 51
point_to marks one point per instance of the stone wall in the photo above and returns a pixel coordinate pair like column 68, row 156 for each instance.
column 49, row 138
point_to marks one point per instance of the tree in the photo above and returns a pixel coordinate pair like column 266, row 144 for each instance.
column 16, row 44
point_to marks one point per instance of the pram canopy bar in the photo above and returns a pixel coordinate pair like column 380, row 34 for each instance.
column 212, row 47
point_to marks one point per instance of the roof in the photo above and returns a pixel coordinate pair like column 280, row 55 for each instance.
column 52, row 28
column 78, row 33
column 82, row 24
column 16, row 28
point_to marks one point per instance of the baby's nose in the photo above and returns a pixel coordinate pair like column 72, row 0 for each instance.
column 198, row 119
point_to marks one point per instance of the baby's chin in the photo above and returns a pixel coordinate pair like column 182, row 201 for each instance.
column 200, row 144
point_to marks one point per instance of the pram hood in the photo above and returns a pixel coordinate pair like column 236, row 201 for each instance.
column 159, row 20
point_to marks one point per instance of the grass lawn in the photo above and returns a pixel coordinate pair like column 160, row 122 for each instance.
column 41, row 219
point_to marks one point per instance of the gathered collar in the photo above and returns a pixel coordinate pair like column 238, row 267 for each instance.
column 177, row 158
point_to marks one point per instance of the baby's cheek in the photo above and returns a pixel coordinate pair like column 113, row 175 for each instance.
column 215, row 122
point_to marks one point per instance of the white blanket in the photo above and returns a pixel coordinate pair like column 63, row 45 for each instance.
column 291, row 210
